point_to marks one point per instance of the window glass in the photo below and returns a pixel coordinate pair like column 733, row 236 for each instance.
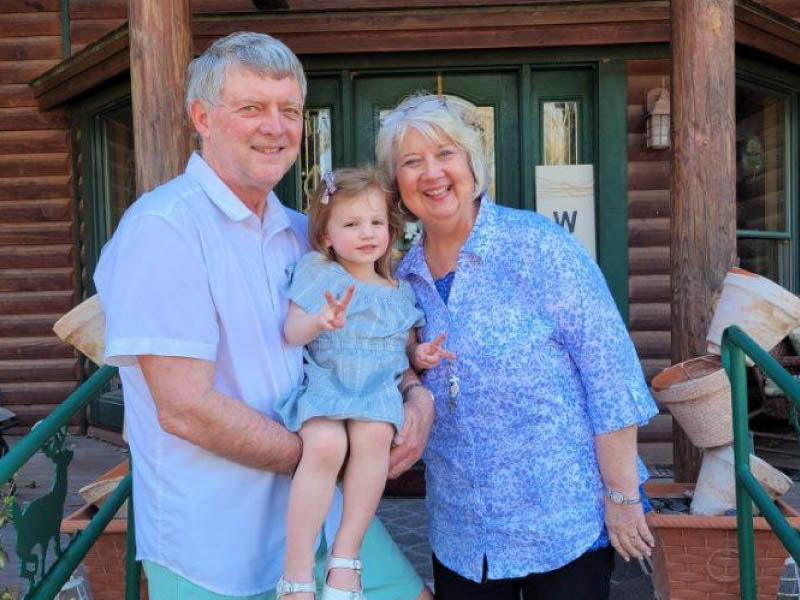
column 560, row 133
column 118, row 174
column 316, row 157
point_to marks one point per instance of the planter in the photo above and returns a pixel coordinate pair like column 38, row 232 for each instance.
column 698, row 394
column 763, row 309
column 84, row 328
column 697, row 557
column 105, row 561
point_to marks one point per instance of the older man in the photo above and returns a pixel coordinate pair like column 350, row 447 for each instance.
column 193, row 285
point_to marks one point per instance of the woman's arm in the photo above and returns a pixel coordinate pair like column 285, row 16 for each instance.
column 302, row 327
column 627, row 528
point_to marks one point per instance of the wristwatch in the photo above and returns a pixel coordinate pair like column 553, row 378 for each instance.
column 618, row 497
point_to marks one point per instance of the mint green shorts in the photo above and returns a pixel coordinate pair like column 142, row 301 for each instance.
column 387, row 574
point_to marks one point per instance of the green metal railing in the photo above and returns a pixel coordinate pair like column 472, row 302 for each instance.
column 38, row 522
column 735, row 345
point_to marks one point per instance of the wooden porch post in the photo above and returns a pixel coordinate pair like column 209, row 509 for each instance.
column 161, row 48
column 703, row 237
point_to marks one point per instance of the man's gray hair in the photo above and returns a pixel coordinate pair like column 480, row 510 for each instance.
column 259, row 52
column 436, row 118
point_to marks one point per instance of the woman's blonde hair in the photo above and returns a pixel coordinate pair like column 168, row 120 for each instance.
column 348, row 183
column 435, row 117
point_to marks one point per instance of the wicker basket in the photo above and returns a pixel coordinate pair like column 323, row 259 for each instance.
column 698, row 394
column 105, row 561
column 697, row 558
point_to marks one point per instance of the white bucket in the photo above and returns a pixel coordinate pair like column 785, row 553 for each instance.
column 84, row 327
column 715, row 491
column 763, row 309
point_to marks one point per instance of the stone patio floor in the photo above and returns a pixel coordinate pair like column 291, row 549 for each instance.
column 405, row 518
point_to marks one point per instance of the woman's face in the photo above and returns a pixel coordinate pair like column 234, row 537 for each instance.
column 434, row 179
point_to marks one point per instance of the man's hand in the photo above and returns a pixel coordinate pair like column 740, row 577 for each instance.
column 411, row 440
column 427, row 355
column 332, row 315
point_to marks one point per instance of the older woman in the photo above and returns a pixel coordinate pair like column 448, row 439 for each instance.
column 532, row 473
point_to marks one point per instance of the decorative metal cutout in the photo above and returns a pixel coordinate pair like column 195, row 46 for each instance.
column 38, row 522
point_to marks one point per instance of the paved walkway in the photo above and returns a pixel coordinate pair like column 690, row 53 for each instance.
column 405, row 518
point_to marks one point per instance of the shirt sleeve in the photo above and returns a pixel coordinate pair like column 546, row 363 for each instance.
column 595, row 335
column 312, row 277
column 154, row 289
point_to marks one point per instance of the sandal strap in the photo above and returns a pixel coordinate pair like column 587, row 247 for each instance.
column 293, row 587
column 335, row 562
column 332, row 593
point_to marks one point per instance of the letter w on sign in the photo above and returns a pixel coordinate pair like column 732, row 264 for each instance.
column 565, row 220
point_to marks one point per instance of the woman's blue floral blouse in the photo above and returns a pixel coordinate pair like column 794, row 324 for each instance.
column 544, row 364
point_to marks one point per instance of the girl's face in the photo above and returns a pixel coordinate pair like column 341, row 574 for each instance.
column 434, row 179
column 358, row 231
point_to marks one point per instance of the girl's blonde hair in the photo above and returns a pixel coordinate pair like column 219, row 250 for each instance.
column 348, row 183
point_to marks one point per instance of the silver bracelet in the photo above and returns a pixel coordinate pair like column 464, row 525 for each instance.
column 619, row 498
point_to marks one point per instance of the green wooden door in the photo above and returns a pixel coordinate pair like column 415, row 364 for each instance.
column 495, row 94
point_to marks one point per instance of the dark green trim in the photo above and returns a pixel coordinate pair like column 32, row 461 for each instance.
column 612, row 179
column 66, row 42
column 348, row 133
column 525, row 139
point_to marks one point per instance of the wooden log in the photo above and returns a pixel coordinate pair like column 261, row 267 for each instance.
column 41, row 369
column 14, row 142
column 639, row 86
column 86, row 31
column 16, row 95
column 17, row 303
column 653, row 366
column 26, row 119
column 99, row 9
column 703, row 231
column 31, row 48
column 12, row 71
column 12, row 348
column 38, row 392
column 24, row 6
column 650, row 316
column 55, row 209
column 33, row 165
column 26, row 24
column 649, row 288
column 650, row 175
column 644, row 204
column 34, row 188
column 658, row 66
column 36, row 233
column 27, row 325
column 36, row 280
column 648, row 232
column 653, row 344
column 50, row 255
column 638, row 150
column 648, row 260
column 160, row 49
column 636, row 115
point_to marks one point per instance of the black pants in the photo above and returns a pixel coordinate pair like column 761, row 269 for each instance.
column 588, row 577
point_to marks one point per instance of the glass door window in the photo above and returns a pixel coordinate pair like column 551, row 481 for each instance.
column 763, row 194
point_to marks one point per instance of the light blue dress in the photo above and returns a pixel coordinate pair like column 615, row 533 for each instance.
column 353, row 372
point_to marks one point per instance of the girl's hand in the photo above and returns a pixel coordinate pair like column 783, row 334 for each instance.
column 628, row 531
column 332, row 315
column 429, row 354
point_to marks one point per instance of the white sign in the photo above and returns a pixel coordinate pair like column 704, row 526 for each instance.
column 565, row 194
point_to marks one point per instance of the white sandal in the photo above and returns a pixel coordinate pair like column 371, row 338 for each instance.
column 294, row 587
column 332, row 593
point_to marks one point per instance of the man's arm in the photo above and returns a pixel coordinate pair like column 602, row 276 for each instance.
column 190, row 408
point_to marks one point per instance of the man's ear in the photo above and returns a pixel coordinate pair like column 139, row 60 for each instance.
column 198, row 113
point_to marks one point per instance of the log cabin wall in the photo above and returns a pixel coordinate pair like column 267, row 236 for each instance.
column 37, row 274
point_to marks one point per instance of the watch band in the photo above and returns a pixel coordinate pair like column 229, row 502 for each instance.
column 619, row 498
column 411, row 386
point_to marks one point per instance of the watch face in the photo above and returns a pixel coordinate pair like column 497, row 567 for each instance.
column 615, row 496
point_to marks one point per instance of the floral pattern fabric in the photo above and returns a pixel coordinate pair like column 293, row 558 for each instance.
column 544, row 364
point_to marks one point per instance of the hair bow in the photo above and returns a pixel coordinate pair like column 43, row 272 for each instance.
column 329, row 187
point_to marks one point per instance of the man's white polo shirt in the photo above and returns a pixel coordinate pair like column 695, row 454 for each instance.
column 192, row 272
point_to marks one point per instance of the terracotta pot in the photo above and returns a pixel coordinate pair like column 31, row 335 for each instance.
column 84, row 328
column 697, row 557
column 716, row 484
column 105, row 561
column 763, row 309
column 698, row 394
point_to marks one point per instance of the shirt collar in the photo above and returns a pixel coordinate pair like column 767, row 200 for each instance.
column 217, row 190
column 478, row 242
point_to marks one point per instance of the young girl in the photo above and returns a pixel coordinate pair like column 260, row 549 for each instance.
column 357, row 323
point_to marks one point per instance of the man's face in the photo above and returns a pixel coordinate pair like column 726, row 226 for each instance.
column 251, row 138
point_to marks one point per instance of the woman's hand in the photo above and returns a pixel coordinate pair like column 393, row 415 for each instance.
column 628, row 531
column 428, row 354
column 332, row 315
column 411, row 440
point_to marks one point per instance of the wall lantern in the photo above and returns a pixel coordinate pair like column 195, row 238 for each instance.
column 658, row 119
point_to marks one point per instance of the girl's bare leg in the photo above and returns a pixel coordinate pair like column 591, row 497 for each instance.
column 324, row 449
column 364, row 480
